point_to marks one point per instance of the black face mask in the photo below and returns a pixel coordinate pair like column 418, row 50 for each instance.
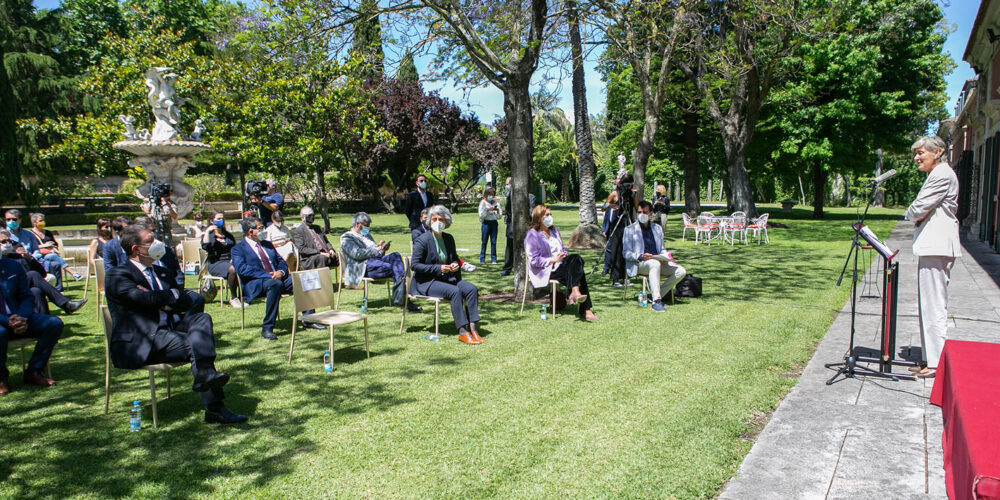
column 627, row 185
column 309, row 218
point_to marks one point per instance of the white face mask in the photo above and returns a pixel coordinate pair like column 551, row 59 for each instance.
column 6, row 249
column 548, row 221
column 437, row 227
column 643, row 218
column 157, row 250
column 422, row 185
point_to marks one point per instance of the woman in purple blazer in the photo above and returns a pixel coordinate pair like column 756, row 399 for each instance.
column 548, row 259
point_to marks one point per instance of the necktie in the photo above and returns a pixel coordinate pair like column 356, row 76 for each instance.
column 319, row 242
column 264, row 260
column 152, row 279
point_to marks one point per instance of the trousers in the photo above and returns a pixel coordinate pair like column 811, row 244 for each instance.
column 933, row 276
column 191, row 340
column 272, row 290
column 463, row 291
column 47, row 329
column 489, row 233
column 387, row 266
column 571, row 274
column 657, row 270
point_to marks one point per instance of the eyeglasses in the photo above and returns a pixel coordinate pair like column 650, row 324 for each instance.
column 12, row 218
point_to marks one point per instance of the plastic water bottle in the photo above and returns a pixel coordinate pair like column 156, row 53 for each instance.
column 364, row 304
column 433, row 337
column 545, row 315
column 645, row 299
column 327, row 362
column 135, row 417
column 641, row 299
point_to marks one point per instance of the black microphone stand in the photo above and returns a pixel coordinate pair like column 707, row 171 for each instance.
column 849, row 368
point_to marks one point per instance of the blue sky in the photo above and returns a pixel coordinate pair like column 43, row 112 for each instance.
column 487, row 102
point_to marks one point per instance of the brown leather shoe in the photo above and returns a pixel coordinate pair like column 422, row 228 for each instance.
column 3, row 387
column 36, row 378
column 468, row 339
column 476, row 337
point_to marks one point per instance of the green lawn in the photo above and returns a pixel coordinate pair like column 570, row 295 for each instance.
column 639, row 404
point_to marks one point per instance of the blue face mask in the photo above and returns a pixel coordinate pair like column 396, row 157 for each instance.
column 365, row 230
column 13, row 225
column 221, row 224
column 489, row 198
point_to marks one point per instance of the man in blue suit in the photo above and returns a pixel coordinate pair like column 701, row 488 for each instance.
column 18, row 320
column 262, row 271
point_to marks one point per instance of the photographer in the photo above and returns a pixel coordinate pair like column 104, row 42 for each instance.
column 268, row 202
column 159, row 196
column 625, row 217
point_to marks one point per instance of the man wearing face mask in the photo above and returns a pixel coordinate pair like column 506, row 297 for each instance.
column 508, row 252
column 18, row 320
column 42, row 290
column 155, row 322
column 644, row 254
column 363, row 258
column 422, row 228
column 315, row 249
column 262, row 271
column 18, row 234
column 416, row 201
column 169, row 258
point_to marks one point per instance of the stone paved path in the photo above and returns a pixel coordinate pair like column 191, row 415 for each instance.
column 870, row 438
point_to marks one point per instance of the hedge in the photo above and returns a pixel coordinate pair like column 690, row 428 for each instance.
column 85, row 218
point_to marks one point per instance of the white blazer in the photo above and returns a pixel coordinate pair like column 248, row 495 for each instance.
column 633, row 246
column 935, row 214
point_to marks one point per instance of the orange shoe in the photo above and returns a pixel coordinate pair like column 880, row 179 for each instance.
column 476, row 337
column 468, row 339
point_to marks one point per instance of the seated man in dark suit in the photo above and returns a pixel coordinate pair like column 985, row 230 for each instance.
column 18, row 319
column 262, row 271
column 437, row 273
column 42, row 290
column 157, row 322
column 422, row 228
column 315, row 250
column 113, row 254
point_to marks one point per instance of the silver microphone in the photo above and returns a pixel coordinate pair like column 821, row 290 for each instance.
column 882, row 178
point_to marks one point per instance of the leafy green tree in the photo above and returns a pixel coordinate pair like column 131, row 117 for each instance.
column 368, row 41
column 876, row 83
column 10, row 171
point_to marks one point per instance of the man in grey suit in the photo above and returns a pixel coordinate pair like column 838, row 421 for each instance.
column 315, row 250
column 936, row 244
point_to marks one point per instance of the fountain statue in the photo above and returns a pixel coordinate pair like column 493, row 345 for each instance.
column 163, row 154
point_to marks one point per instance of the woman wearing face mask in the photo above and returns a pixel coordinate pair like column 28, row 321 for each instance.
column 48, row 250
column 437, row 273
column 548, row 260
column 489, row 213
column 197, row 230
column 218, row 244
column 281, row 237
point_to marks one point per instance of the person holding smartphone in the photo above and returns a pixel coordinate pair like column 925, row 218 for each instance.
column 363, row 258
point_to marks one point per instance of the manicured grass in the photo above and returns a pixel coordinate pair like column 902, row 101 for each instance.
column 639, row 404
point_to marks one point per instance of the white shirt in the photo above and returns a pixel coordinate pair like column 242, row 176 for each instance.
column 157, row 286
column 277, row 236
column 423, row 195
column 555, row 245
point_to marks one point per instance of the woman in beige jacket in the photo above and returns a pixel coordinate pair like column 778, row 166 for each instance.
column 936, row 245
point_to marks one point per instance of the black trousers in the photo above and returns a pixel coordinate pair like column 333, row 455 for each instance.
column 508, row 256
column 571, row 274
column 44, row 292
column 190, row 340
column 463, row 291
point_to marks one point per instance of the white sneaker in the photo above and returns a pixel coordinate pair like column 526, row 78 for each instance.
column 237, row 303
column 467, row 267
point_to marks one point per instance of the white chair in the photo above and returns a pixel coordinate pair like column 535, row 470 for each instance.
column 689, row 223
column 365, row 281
column 192, row 253
column 90, row 273
column 317, row 298
column 706, row 225
column 99, row 283
column 406, row 301
column 758, row 227
column 166, row 367
column 735, row 227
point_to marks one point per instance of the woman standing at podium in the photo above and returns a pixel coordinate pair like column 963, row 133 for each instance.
column 936, row 245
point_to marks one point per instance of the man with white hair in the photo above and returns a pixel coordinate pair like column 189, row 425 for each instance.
column 363, row 258
column 315, row 250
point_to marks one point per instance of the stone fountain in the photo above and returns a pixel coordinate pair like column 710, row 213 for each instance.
column 164, row 154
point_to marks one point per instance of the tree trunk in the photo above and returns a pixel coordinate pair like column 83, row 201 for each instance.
column 740, row 197
column 645, row 148
column 243, row 187
column 517, row 112
column 564, row 182
column 819, row 189
column 10, row 171
column 588, row 233
column 692, row 201
column 321, row 196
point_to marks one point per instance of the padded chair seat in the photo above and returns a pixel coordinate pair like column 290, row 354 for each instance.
column 163, row 366
column 426, row 297
column 333, row 317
